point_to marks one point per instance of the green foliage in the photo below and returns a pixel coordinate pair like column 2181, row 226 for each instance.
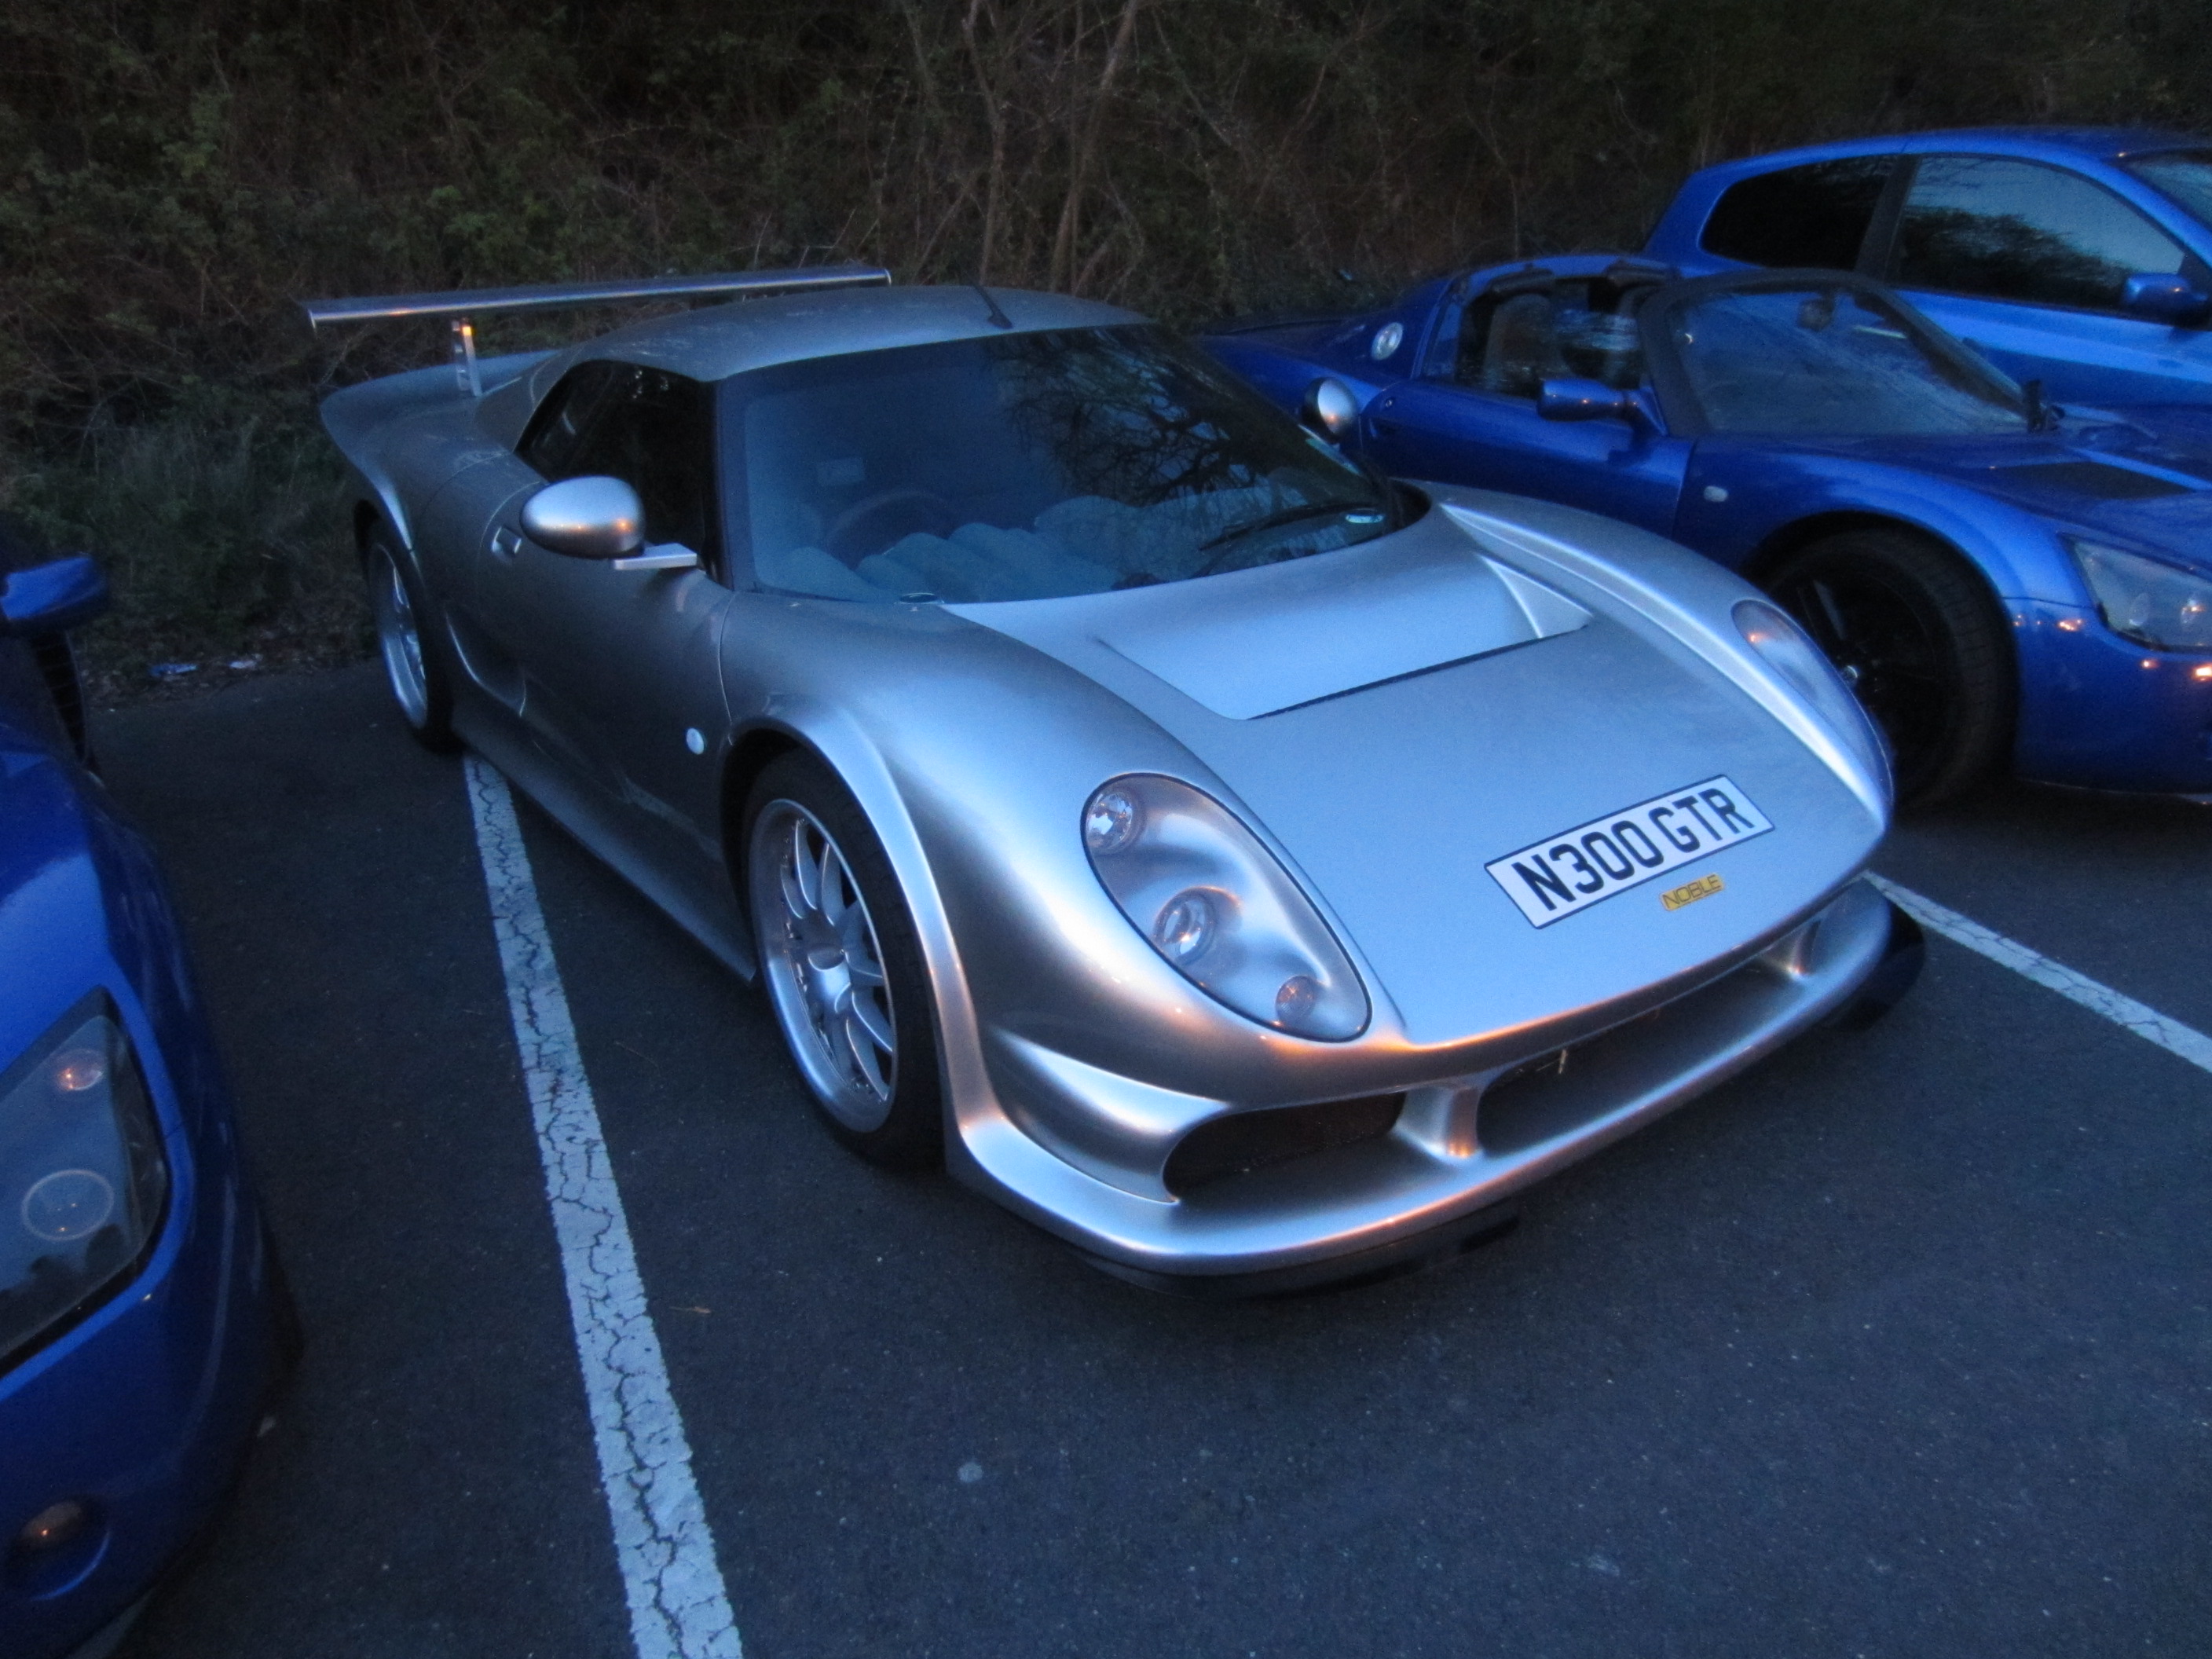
column 173, row 179
column 221, row 536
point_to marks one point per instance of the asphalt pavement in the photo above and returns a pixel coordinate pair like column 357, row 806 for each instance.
column 1897, row 1345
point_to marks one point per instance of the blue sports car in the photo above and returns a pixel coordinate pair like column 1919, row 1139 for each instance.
column 2079, row 256
column 1998, row 578
column 140, row 1318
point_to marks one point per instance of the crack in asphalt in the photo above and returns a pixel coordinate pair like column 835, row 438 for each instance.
column 678, row 1607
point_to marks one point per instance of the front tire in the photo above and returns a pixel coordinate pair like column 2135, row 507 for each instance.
column 1918, row 636
column 412, row 666
column 840, row 964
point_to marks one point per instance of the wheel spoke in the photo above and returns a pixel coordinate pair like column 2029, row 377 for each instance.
column 867, row 1055
column 870, row 1015
column 807, row 873
column 1825, row 618
column 829, row 881
column 789, row 881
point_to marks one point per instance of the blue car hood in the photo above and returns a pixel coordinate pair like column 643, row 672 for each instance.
column 2144, row 483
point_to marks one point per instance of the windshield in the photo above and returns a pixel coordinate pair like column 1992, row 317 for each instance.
column 1832, row 361
column 2184, row 174
column 1025, row 466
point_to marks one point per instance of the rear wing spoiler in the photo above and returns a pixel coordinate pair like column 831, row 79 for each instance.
column 462, row 304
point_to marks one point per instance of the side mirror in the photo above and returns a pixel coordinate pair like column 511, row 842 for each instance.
column 2173, row 299
column 585, row 519
column 1329, row 408
column 50, row 598
column 1585, row 400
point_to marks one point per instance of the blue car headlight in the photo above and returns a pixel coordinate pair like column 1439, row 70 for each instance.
column 1212, row 900
column 1770, row 631
column 83, row 1178
column 2144, row 600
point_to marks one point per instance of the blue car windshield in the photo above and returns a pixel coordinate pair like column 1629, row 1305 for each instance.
column 1829, row 360
column 2184, row 174
column 1024, row 466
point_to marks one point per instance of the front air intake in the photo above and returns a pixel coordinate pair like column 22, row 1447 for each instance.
column 1239, row 1143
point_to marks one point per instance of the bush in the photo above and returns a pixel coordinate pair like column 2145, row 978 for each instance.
column 223, row 535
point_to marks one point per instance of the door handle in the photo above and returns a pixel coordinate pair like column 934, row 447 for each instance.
column 504, row 542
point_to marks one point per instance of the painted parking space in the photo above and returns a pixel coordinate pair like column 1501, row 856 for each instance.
column 1895, row 1341
column 2116, row 887
column 429, row 1489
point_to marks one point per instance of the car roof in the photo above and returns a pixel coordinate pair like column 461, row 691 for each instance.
column 719, row 341
column 2047, row 142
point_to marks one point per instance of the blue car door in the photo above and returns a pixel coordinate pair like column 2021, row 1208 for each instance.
column 1475, row 422
column 2027, row 263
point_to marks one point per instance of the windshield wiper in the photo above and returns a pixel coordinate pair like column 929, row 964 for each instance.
column 2041, row 416
column 1288, row 515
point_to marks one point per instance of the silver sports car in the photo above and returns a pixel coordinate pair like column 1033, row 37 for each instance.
column 1248, row 869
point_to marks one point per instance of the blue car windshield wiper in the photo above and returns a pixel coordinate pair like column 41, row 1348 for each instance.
column 2041, row 416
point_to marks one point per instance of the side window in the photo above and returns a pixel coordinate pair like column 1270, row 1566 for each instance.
column 1816, row 214
column 654, row 431
column 1510, row 344
column 561, row 420
column 2018, row 230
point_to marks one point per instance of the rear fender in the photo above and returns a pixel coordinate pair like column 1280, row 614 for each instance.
column 403, row 435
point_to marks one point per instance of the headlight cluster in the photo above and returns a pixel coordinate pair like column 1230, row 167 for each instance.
column 2152, row 603
column 81, row 1174
column 1212, row 900
column 1769, row 631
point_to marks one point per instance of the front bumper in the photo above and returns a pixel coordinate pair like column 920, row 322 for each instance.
column 2099, row 711
column 141, row 1413
column 1459, row 1146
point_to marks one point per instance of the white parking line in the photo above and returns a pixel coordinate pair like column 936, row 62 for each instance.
column 678, row 1607
column 2144, row 1021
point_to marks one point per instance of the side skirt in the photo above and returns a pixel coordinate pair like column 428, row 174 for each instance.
column 705, row 908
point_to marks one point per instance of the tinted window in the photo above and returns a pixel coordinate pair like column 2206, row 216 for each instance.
column 1831, row 362
column 654, row 430
column 560, row 422
column 1513, row 343
column 1815, row 215
column 1026, row 466
column 2015, row 230
column 2185, row 175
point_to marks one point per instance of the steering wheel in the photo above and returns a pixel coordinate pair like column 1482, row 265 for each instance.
column 874, row 522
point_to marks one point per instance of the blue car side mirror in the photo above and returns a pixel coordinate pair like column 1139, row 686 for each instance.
column 2174, row 300
column 52, row 598
column 1577, row 399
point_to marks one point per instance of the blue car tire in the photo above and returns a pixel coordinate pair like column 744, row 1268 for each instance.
column 1920, row 640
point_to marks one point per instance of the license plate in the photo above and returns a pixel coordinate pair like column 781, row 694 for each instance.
column 1554, row 878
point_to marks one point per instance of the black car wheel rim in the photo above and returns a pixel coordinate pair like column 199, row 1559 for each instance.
column 1891, row 651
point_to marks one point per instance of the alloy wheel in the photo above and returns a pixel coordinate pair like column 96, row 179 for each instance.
column 825, row 966
column 398, row 638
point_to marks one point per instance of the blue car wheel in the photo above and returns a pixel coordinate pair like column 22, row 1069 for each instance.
column 1919, row 638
